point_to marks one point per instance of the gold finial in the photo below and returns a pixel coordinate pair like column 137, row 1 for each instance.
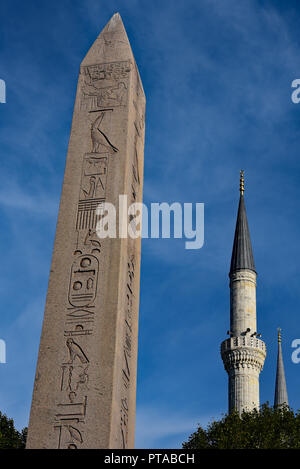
column 279, row 335
column 242, row 187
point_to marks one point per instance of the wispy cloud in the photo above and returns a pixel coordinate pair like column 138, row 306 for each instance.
column 154, row 427
column 13, row 197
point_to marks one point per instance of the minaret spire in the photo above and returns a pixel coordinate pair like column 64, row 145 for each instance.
column 242, row 255
column 243, row 353
column 242, row 187
column 281, row 396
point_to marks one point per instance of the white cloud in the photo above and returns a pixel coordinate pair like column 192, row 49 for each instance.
column 13, row 196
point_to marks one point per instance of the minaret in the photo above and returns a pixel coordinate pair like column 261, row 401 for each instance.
column 243, row 353
column 281, row 396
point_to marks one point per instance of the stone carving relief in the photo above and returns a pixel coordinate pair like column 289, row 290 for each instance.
column 124, row 422
column 127, row 348
column 103, row 88
column 74, row 411
column 93, row 181
column 100, row 141
column 75, row 351
column 79, row 314
column 139, row 121
column 92, row 242
column 74, row 379
column 243, row 358
column 83, row 284
column 86, row 215
column 94, row 172
column 78, row 330
column 69, row 437
column 104, row 85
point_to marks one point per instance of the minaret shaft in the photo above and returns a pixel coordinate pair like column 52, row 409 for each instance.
column 243, row 387
column 243, row 302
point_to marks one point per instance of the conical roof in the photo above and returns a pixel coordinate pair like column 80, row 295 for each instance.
column 242, row 255
column 281, row 396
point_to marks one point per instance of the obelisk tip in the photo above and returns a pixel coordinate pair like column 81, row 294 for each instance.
column 112, row 44
column 114, row 22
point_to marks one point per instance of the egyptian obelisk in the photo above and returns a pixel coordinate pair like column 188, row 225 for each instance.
column 85, row 385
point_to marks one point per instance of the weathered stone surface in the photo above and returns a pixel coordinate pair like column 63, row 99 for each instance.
column 85, row 385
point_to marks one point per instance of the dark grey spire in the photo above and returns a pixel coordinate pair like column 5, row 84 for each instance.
column 242, row 255
column 281, row 396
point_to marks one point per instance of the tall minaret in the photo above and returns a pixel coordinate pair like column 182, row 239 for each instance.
column 281, row 396
column 243, row 353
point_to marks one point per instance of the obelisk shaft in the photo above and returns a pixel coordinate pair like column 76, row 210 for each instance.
column 85, row 386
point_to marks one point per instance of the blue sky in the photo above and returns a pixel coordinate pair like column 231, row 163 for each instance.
column 217, row 76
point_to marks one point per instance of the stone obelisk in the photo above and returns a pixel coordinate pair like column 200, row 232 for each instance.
column 85, row 385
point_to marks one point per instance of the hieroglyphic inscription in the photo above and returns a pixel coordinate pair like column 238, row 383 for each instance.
column 138, row 144
column 93, row 181
column 68, row 417
column 124, row 422
column 92, row 190
column 86, row 216
column 101, row 87
column 139, row 123
column 104, row 85
column 83, row 284
column 100, row 141
column 127, row 343
column 74, row 378
column 94, row 171
column 71, row 409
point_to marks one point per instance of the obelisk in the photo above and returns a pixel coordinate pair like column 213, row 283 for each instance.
column 85, row 385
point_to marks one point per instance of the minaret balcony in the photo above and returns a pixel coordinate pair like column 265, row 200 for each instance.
column 243, row 352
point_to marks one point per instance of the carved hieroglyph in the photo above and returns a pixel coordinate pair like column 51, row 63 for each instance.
column 85, row 385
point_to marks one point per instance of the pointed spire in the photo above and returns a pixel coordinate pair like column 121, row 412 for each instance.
column 281, row 396
column 242, row 255
column 111, row 45
column 242, row 185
